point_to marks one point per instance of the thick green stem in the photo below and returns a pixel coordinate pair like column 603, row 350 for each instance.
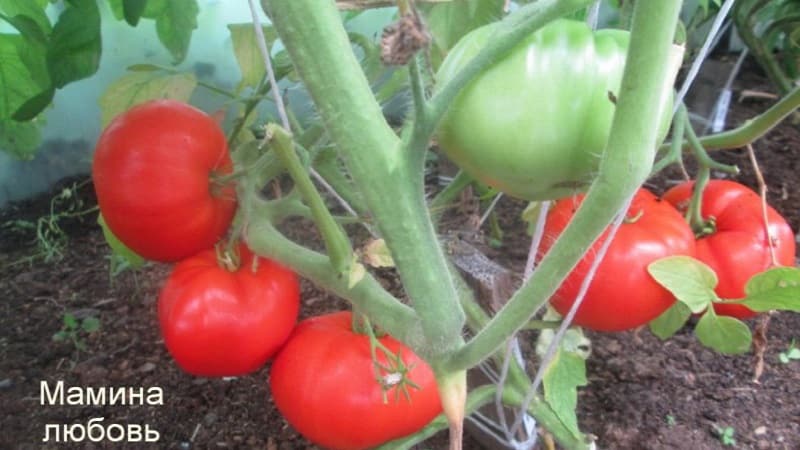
column 625, row 165
column 315, row 39
column 753, row 129
column 368, row 295
column 517, row 381
column 336, row 241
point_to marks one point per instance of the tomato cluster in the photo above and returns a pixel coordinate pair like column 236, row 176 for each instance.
column 162, row 174
column 623, row 295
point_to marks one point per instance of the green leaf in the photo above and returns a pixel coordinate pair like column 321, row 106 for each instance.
column 20, row 139
column 723, row 334
column 449, row 21
column 28, row 28
column 35, row 105
column 139, row 87
column 672, row 320
column 777, row 288
column 29, row 9
column 60, row 336
column 689, row 280
column 70, row 322
column 132, row 10
column 23, row 77
column 174, row 26
column 75, row 45
column 248, row 56
column 118, row 248
column 90, row 324
column 561, row 379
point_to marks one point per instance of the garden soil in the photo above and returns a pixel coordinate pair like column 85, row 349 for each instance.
column 642, row 393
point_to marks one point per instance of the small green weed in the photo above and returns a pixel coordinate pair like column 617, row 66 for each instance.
column 73, row 327
column 790, row 354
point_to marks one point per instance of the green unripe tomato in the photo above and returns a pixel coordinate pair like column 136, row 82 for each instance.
column 535, row 124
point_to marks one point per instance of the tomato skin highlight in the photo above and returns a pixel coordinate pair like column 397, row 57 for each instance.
column 622, row 294
column 152, row 174
column 739, row 248
column 535, row 124
column 220, row 323
column 323, row 382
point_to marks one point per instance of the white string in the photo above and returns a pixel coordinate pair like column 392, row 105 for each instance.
column 704, row 50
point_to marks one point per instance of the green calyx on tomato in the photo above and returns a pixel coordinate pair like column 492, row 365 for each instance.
column 535, row 124
column 217, row 322
column 741, row 244
column 622, row 294
column 153, row 168
column 324, row 383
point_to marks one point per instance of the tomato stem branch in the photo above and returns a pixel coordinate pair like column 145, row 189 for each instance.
column 700, row 152
column 751, row 130
column 368, row 295
column 336, row 241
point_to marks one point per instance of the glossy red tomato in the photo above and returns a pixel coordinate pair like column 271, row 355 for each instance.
column 324, row 383
column 738, row 248
column 153, row 169
column 622, row 294
column 217, row 322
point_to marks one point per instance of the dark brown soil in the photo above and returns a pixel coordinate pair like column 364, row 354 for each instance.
column 643, row 394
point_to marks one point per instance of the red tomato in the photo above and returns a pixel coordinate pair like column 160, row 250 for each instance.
column 218, row 322
column 738, row 248
column 622, row 294
column 153, row 169
column 324, row 383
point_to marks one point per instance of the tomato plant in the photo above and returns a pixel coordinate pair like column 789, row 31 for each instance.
column 155, row 171
column 328, row 387
column 225, row 321
column 535, row 123
column 622, row 294
column 738, row 245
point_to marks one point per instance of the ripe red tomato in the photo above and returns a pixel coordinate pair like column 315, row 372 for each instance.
column 153, row 169
column 218, row 322
column 622, row 294
column 738, row 248
column 324, row 383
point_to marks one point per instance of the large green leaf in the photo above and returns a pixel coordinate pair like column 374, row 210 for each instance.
column 175, row 24
column 561, row 379
column 723, row 334
column 689, row 280
column 132, row 10
column 245, row 47
column 672, row 320
column 20, row 139
column 777, row 288
column 139, row 87
column 75, row 45
column 18, row 81
column 30, row 9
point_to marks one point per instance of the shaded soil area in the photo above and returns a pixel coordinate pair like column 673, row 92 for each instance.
column 643, row 394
